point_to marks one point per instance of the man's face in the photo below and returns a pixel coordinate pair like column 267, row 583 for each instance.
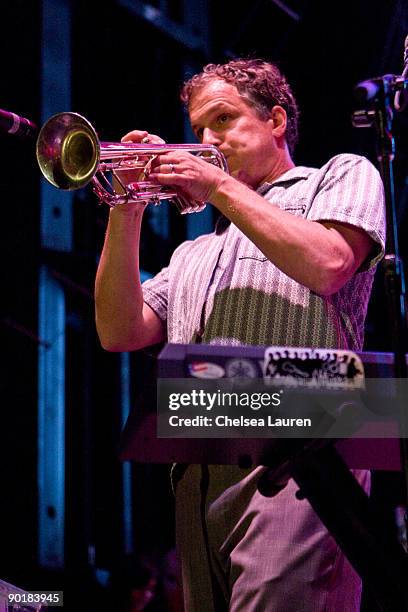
column 221, row 117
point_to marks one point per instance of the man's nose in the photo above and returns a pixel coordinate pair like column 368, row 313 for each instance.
column 210, row 137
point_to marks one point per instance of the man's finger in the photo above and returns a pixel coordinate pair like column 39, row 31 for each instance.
column 142, row 136
column 134, row 136
column 166, row 178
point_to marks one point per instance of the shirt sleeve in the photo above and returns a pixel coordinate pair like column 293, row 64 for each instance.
column 155, row 293
column 156, row 290
column 351, row 191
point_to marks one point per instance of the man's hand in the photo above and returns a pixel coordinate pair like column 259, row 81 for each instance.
column 193, row 177
column 134, row 175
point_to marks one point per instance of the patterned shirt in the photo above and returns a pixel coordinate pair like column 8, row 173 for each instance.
column 220, row 288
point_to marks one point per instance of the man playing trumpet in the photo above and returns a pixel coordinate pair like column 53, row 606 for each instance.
column 290, row 263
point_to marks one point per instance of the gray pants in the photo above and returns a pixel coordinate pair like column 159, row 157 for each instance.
column 243, row 552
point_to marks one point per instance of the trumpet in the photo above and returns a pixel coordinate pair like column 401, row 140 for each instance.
column 70, row 156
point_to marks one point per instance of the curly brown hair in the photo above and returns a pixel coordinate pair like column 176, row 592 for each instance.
column 259, row 82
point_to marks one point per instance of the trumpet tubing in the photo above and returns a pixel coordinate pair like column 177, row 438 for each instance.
column 70, row 156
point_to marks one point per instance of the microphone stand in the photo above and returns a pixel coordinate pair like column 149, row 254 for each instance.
column 378, row 94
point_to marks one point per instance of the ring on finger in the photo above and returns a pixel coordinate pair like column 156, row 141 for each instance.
column 171, row 168
column 146, row 139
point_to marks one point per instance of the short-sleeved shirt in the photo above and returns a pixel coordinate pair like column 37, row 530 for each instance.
column 220, row 288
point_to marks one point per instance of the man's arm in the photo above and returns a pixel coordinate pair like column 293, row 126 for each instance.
column 323, row 256
column 124, row 322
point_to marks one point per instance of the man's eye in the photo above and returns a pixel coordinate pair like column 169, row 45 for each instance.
column 222, row 118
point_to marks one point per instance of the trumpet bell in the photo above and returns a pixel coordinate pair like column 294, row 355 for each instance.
column 68, row 151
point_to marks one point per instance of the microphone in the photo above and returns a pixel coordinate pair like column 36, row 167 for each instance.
column 366, row 90
column 16, row 125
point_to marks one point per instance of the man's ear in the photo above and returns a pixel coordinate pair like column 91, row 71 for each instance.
column 279, row 121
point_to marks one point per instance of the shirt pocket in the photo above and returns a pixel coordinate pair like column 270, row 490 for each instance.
column 250, row 252
column 294, row 206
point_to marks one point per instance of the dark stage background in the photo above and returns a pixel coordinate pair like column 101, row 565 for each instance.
column 121, row 64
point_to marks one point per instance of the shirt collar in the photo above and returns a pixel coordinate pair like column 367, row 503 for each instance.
column 294, row 174
column 290, row 176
